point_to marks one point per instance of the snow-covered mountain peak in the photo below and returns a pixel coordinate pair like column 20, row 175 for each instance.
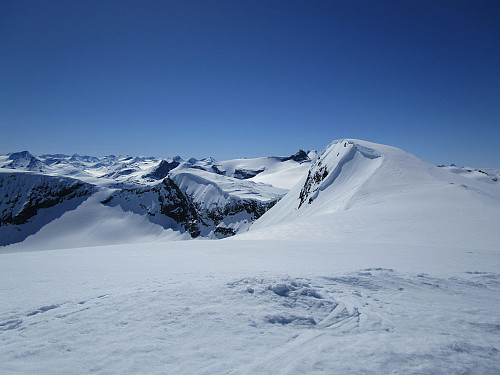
column 384, row 194
column 23, row 160
column 343, row 172
column 328, row 167
column 20, row 155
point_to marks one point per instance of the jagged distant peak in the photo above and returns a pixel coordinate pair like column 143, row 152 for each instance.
column 20, row 155
column 24, row 160
column 162, row 169
column 83, row 158
column 299, row 156
column 54, row 156
column 209, row 159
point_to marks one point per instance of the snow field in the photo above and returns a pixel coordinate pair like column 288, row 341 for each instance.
column 250, row 307
column 375, row 263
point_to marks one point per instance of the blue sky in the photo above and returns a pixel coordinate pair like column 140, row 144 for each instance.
column 250, row 78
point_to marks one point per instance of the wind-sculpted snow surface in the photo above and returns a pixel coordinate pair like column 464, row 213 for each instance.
column 250, row 307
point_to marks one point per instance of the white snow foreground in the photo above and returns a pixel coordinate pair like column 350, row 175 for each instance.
column 389, row 265
column 250, row 307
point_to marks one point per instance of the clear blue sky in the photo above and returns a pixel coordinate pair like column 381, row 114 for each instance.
column 250, row 78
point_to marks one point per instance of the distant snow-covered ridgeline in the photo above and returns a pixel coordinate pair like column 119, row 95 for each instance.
column 175, row 198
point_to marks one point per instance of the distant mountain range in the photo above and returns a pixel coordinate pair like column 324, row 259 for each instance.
column 191, row 198
column 72, row 201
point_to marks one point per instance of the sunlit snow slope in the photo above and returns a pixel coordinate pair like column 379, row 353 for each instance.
column 376, row 262
column 135, row 199
column 368, row 192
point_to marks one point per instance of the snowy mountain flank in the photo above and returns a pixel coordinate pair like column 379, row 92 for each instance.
column 381, row 193
column 360, row 259
column 185, row 198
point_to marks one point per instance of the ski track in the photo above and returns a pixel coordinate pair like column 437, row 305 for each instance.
column 371, row 321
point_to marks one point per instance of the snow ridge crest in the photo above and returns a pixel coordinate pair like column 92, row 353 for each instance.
column 328, row 167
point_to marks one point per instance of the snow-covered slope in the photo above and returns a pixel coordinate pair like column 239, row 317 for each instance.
column 381, row 193
column 94, row 224
column 28, row 201
column 199, row 197
column 376, row 262
column 486, row 175
column 283, row 172
column 251, row 307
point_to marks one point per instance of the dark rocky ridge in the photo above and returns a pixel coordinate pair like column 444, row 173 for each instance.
column 169, row 201
column 24, row 195
column 300, row 156
column 312, row 179
column 162, row 170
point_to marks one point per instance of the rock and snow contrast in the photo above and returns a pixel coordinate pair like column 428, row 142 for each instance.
column 184, row 198
column 360, row 259
column 366, row 192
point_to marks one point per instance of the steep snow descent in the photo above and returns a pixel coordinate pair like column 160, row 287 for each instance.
column 378, row 193
column 360, row 162
column 332, row 181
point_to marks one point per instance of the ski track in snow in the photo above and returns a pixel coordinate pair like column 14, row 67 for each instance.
column 369, row 321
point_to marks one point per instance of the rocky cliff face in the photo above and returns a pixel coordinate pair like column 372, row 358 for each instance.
column 164, row 204
column 167, row 205
column 162, row 170
column 27, row 200
column 314, row 178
